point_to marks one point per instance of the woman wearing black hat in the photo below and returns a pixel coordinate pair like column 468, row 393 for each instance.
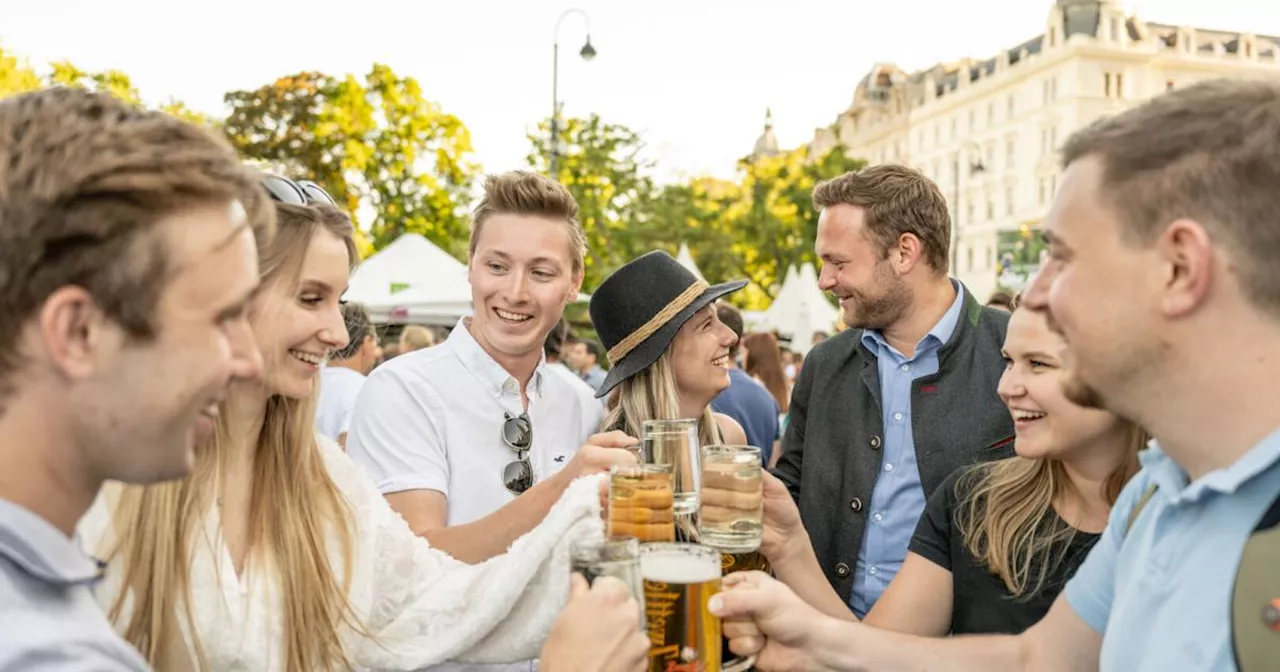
column 668, row 350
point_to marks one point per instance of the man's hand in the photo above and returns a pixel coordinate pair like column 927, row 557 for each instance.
column 762, row 617
column 600, row 452
column 599, row 631
column 783, row 530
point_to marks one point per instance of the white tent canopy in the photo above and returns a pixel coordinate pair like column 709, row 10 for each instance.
column 800, row 309
column 686, row 259
column 412, row 280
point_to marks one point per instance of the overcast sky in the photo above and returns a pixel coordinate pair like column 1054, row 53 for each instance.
column 694, row 76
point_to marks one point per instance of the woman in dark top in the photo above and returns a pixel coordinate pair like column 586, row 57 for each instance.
column 997, row 541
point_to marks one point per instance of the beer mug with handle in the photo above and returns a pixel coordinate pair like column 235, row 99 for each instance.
column 618, row 557
column 732, row 515
column 675, row 442
column 679, row 581
column 640, row 502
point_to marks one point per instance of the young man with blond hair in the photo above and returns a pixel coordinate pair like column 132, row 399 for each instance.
column 473, row 440
column 127, row 256
column 1163, row 279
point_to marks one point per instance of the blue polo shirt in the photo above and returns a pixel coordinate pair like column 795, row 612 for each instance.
column 1161, row 592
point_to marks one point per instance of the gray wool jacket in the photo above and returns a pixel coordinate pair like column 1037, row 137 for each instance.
column 831, row 449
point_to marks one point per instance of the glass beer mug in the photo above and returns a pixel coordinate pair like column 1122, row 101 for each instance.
column 618, row 557
column 731, row 518
column 679, row 581
column 640, row 502
column 675, row 442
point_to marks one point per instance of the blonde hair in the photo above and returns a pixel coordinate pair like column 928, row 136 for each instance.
column 652, row 394
column 295, row 508
column 416, row 337
column 520, row 192
column 1006, row 516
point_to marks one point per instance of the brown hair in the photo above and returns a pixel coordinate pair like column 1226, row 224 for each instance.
column 84, row 179
column 520, row 192
column 765, row 362
column 297, row 512
column 1008, row 520
column 898, row 200
column 1207, row 152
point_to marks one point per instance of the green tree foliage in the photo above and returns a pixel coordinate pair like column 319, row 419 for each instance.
column 600, row 164
column 378, row 141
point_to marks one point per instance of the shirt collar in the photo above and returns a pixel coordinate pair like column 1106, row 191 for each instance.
column 495, row 379
column 42, row 550
column 936, row 337
column 1173, row 478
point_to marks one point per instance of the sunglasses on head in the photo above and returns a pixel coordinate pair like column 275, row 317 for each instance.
column 302, row 192
column 517, row 433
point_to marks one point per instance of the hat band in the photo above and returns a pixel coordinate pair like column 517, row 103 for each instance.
column 626, row 345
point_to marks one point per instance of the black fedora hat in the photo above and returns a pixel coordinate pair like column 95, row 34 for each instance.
column 639, row 308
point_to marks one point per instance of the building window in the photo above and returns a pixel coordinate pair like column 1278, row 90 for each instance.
column 968, row 212
column 1113, row 85
column 990, row 255
column 1011, row 105
column 968, row 258
column 1248, row 50
column 1041, row 198
column 973, row 120
column 991, row 114
column 1106, row 84
column 991, row 156
column 955, row 127
column 1115, row 30
column 991, row 209
column 1010, row 153
column 1053, row 36
column 1008, row 201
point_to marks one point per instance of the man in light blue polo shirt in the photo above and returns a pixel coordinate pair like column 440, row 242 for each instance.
column 1163, row 278
column 127, row 255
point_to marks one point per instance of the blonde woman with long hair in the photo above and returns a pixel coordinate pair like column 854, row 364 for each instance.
column 278, row 553
column 997, row 541
column 669, row 351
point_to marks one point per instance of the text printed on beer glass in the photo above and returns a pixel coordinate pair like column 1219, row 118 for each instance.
column 675, row 442
column 640, row 502
column 732, row 515
column 679, row 581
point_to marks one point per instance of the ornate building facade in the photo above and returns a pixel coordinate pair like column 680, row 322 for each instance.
column 988, row 131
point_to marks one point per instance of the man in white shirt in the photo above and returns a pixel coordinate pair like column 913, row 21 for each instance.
column 556, row 346
column 473, row 440
column 127, row 256
column 342, row 379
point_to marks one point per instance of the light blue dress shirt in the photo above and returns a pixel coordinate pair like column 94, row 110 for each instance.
column 48, row 617
column 898, row 497
column 1160, row 592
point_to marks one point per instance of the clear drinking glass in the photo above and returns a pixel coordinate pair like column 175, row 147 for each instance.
column 732, row 515
column 618, row 557
column 679, row 581
column 675, row 442
column 640, row 502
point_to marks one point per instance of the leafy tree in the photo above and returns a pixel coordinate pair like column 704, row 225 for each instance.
column 600, row 164
column 16, row 76
column 378, row 141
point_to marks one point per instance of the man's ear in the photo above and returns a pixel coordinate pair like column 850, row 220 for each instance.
column 74, row 331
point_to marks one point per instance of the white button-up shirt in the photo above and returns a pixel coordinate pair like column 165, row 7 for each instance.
column 432, row 420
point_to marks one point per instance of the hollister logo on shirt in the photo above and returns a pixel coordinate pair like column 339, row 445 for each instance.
column 561, row 458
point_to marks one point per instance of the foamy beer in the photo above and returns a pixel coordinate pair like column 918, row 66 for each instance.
column 675, row 443
column 640, row 502
column 732, row 515
column 679, row 580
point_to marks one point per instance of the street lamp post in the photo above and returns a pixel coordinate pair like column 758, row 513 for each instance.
column 587, row 52
column 974, row 167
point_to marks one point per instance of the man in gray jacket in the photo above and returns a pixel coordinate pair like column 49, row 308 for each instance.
column 883, row 412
